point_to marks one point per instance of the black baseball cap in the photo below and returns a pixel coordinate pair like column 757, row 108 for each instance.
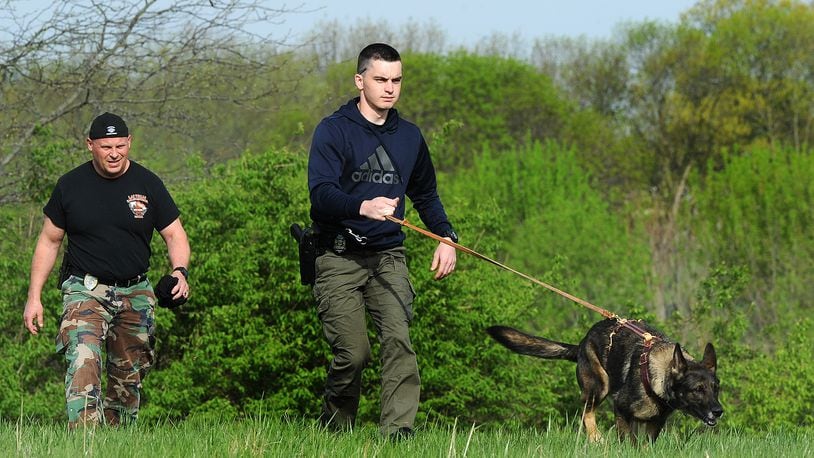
column 108, row 125
column 163, row 292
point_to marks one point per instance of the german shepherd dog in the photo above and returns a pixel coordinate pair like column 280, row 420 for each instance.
column 646, row 379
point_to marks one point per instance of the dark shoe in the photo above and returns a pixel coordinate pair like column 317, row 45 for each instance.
column 332, row 424
column 338, row 417
column 401, row 434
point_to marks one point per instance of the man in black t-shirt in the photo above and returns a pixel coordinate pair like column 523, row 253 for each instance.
column 109, row 208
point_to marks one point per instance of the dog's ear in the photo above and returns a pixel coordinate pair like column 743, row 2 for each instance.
column 710, row 360
column 678, row 365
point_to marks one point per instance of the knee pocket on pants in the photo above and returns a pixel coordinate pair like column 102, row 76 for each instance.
column 137, row 362
column 356, row 360
column 352, row 349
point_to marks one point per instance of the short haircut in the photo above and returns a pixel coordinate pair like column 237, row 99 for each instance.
column 376, row 51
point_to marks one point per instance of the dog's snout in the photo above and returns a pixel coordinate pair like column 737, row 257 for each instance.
column 712, row 416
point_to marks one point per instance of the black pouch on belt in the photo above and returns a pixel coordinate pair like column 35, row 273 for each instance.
column 307, row 241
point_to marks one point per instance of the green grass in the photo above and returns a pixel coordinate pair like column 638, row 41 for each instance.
column 286, row 437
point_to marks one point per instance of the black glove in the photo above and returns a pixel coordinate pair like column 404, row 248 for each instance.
column 163, row 292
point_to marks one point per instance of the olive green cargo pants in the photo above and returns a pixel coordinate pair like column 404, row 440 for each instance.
column 347, row 287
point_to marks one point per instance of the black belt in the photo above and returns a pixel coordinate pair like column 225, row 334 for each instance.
column 117, row 283
column 340, row 243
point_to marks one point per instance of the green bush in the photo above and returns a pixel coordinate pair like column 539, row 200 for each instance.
column 250, row 335
column 561, row 230
column 249, row 341
column 31, row 371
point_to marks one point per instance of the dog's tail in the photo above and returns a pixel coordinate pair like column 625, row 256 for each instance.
column 526, row 344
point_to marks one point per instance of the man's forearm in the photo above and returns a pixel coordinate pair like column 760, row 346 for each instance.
column 45, row 255
column 178, row 247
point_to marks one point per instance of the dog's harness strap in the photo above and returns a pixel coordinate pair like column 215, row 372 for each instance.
column 644, row 369
column 644, row 356
column 644, row 366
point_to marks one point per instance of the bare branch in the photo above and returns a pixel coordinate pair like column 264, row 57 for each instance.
column 151, row 60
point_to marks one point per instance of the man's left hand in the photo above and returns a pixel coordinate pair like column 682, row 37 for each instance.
column 182, row 287
column 443, row 261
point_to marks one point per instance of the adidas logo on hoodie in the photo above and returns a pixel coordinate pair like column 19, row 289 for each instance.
column 378, row 168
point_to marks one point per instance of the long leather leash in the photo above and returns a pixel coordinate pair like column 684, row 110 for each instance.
column 607, row 314
column 649, row 339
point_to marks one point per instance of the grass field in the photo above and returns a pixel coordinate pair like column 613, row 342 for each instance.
column 277, row 437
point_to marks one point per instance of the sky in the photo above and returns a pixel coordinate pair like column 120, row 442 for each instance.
column 467, row 21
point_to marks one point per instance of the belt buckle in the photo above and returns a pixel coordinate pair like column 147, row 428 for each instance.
column 90, row 282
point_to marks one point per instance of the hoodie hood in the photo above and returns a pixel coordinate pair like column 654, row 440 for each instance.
column 351, row 111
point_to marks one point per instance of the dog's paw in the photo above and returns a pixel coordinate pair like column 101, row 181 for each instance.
column 596, row 439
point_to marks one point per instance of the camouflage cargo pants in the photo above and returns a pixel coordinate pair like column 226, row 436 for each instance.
column 120, row 320
column 347, row 288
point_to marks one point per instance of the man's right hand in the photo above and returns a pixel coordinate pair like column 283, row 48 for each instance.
column 378, row 208
column 45, row 255
column 32, row 317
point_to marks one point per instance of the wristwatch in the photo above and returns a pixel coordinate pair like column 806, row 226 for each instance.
column 451, row 234
column 183, row 271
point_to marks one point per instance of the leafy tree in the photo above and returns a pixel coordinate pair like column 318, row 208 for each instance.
column 473, row 90
column 757, row 70
column 334, row 42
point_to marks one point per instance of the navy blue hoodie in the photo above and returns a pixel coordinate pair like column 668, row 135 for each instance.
column 352, row 160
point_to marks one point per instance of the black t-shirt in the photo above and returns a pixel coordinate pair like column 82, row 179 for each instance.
column 110, row 222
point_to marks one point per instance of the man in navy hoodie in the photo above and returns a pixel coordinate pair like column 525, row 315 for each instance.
column 364, row 159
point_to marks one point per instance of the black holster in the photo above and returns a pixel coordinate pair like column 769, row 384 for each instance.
column 307, row 239
column 64, row 270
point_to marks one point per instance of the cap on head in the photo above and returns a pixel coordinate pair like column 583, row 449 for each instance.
column 107, row 125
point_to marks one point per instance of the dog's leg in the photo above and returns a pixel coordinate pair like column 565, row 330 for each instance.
column 589, row 420
column 654, row 428
column 594, row 383
column 624, row 428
